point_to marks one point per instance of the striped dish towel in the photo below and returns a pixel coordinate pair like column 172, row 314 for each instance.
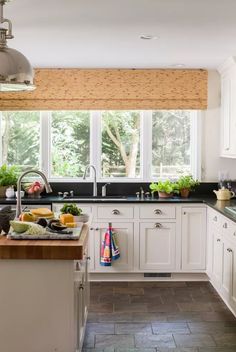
column 109, row 250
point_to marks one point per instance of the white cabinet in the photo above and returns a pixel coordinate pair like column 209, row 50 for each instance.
column 157, row 246
column 227, row 272
column 217, row 259
column 125, row 241
column 193, row 238
column 228, row 108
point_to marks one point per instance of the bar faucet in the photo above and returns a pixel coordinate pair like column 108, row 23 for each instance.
column 95, row 191
column 18, row 201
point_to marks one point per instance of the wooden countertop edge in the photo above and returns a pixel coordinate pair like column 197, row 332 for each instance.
column 44, row 249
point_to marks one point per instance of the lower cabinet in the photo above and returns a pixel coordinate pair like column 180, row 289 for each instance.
column 217, row 259
column 193, row 238
column 157, row 246
column 125, row 240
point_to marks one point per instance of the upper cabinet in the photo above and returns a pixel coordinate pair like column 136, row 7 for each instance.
column 228, row 108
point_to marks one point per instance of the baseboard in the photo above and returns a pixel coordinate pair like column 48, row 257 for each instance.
column 140, row 277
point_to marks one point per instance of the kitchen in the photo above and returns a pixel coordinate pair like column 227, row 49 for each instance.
column 128, row 101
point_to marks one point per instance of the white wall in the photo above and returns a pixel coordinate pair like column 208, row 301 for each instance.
column 211, row 162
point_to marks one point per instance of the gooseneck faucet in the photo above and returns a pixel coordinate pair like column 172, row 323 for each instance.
column 18, row 201
column 95, row 191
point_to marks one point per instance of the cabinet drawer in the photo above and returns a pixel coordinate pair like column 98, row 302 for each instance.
column 114, row 211
column 157, row 211
column 228, row 229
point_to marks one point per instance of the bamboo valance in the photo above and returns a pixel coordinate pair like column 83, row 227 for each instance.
column 98, row 89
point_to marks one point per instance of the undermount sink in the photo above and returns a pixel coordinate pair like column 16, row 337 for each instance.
column 98, row 198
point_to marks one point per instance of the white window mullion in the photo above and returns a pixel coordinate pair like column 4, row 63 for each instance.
column 95, row 141
column 45, row 145
column 146, row 149
column 195, row 143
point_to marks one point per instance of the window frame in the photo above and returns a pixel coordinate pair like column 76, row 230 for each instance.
column 95, row 147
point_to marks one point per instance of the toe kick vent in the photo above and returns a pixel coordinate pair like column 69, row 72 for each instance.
column 157, row 274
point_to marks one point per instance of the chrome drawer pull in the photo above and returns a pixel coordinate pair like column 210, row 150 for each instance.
column 215, row 218
column 115, row 212
column 229, row 250
column 218, row 239
column 91, row 228
column 158, row 225
column 225, row 225
column 157, row 211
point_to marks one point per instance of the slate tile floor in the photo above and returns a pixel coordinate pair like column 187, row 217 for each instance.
column 158, row 317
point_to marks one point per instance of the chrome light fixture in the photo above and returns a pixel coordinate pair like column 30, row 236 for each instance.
column 16, row 73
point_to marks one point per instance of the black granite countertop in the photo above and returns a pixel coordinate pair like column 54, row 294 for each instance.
column 211, row 201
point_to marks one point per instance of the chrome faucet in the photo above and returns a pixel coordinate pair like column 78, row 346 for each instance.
column 95, row 191
column 18, row 201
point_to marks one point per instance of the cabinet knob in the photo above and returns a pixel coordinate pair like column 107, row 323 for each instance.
column 97, row 228
column 229, row 250
column 157, row 211
column 81, row 287
column 115, row 212
column 215, row 218
column 91, row 228
column 225, row 225
column 218, row 240
column 88, row 258
column 158, row 225
column 234, row 233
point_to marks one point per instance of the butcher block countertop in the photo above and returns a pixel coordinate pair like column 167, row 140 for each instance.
column 48, row 249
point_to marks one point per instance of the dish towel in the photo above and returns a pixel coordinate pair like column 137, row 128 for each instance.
column 109, row 250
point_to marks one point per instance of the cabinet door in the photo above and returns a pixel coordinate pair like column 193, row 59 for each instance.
column 193, row 239
column 157, row 246
column 125, row 241
column 217, row 260
column 227, row 272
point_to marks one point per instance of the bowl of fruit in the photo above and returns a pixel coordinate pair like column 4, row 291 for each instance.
column 34, row 189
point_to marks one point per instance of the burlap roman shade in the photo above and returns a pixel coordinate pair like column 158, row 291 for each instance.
column 105, row 89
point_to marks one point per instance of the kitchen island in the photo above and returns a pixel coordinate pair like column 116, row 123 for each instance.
column 44, row 294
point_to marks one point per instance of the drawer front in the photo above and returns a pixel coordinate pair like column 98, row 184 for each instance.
column 157, row 211
column 214, row 218
column 115, row 212
column 228, row 229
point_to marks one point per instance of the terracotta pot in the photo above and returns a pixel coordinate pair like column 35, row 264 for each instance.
column 165, row 195
column 3, row 191
column 184, row 192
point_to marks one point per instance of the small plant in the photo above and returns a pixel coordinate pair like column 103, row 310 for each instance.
column 186, row 184
column 167, row 187
column 8, row 175
column 71, row 209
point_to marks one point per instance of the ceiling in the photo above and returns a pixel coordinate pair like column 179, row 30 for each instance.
column 106, row 33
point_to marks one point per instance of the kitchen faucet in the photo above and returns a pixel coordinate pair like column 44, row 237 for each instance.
column 95, row 191
column 18, row 201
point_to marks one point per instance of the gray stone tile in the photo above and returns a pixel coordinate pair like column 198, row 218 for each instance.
column 133, row 328
column 226, row 339
column 194, row 340
column 211, row 327
column 135, row 350
column 165, row 308
column 195, row 307
column 101, row 307
column 126, row 307
column 113, row 298
column 181, row 349
column 216, row 349
column 144, row 340
column 89, row 340
column 100, row 328
column 149, row 317
column 115, row 317
column 114, row 341
column 218, row 316
column 129, row 291
column 109, row 349
column 170, row 328
column 184, row 317
column 146, row 299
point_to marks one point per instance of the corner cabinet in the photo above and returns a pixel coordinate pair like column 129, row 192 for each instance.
column 193, row 238
column 228, row 108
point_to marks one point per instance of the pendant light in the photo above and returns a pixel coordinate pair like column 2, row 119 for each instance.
column 16, row 73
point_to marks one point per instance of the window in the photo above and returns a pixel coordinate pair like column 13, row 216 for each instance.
column 171, row 143
column 70, row 143
column 122, row 145
column 20, row 132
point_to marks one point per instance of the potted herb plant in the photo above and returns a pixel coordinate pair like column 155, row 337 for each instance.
column 186, row 184
column 8, row 177
column 165, row 189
